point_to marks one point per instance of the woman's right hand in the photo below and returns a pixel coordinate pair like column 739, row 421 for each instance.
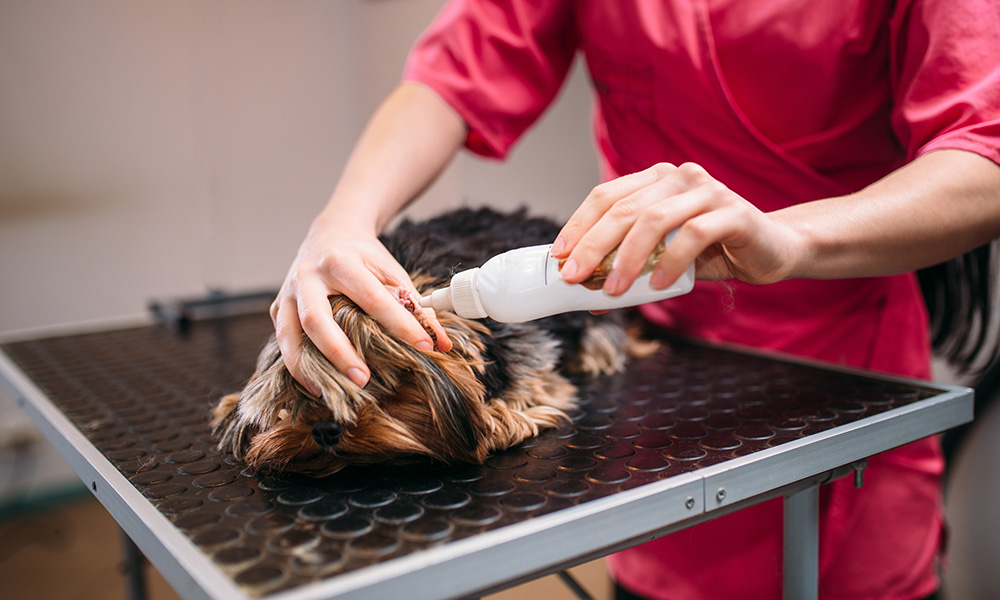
column 342, row 258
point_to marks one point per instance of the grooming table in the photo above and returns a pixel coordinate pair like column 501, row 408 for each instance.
column 691, row 433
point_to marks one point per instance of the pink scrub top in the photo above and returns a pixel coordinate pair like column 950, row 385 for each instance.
column 784, row 101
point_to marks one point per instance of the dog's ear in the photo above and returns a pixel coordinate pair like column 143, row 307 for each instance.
column 340, row 395
column 442, row 384
column 453, row 396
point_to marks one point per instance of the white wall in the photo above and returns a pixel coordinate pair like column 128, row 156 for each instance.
column 162, row 148
column 153, row 149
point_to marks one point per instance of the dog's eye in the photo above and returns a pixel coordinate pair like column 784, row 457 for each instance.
column 327, row 433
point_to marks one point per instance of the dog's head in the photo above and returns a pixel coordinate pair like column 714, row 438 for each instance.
column 454, row 406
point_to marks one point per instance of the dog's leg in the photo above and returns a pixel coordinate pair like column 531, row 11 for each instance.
column 509, row 426
column 601, row 350
column 223, row 411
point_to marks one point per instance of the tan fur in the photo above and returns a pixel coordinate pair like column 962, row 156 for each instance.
column 417, row 404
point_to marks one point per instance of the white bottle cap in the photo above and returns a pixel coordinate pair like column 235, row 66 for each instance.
column 461, row 297
column 464, row 296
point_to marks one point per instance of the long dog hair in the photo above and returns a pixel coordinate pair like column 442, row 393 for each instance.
column 498, row 385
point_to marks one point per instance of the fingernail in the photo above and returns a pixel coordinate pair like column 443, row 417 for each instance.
column 611, row 283
column 658, row 280
column 314, row 390
column 558, row 246
column 569, row 269
column 357, row 376
column 425, row 346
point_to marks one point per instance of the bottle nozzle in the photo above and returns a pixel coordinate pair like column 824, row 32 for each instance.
column 460, row 297
column 439, row 299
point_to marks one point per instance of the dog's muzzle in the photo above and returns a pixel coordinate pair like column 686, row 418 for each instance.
column 327, row 433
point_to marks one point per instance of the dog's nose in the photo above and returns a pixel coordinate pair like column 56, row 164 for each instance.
column 327, row 433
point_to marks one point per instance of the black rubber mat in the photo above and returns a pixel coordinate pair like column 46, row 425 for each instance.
column 142, row 397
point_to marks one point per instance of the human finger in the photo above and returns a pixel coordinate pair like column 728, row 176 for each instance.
column 288, row 334
column 681, row 202
column 318, row 324
column 616, row 225
column 704, row 239
column 409, row 298
column 598, row 201
column 393, row 304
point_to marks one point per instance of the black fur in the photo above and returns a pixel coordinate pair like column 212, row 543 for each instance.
column 498, row 384
column 467, row 238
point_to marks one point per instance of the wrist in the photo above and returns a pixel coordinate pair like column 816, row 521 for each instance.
column 800, row 241
column 348, row 216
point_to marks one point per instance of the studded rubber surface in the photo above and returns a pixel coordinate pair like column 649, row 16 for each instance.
column 142, row 397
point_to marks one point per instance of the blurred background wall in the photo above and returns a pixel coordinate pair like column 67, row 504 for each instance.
column 151, row 149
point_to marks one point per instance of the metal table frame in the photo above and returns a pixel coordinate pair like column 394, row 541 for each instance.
column 548, row 543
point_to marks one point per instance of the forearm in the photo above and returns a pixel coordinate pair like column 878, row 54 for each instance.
column 939, row 206
column 408, row 141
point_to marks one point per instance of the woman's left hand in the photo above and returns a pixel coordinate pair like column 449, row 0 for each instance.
column 723, row 234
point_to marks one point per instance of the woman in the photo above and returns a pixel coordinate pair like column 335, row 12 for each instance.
column 825, row 149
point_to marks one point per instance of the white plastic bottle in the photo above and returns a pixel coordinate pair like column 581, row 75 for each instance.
column 524, row 284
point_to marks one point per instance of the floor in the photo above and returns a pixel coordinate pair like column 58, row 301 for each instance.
column 71, row 552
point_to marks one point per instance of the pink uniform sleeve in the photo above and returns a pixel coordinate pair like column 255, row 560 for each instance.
column 947, row 76
column 499, row 64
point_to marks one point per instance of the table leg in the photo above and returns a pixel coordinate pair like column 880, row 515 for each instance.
column 574, row 587
column 801, row 547
column 132, row 569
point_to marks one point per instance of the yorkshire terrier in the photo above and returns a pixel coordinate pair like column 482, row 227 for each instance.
column 498, row 385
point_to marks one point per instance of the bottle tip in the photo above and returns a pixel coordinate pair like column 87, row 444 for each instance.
column 439, row 299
